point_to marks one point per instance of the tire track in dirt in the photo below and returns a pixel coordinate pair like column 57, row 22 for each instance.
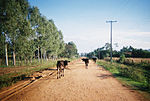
column 4, row 95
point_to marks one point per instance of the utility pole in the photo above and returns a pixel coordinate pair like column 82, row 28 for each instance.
column 110, row 38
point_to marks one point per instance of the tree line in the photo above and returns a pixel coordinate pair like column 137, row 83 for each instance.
column 104, row 51
column 26, row 34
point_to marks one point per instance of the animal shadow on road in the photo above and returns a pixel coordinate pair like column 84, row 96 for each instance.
column 50, row 69
column 105, row 76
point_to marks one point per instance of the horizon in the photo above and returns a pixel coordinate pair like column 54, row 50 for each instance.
column 84, row 22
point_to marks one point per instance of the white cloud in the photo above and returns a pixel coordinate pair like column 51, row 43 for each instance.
column 135, row 39
column 88, row 37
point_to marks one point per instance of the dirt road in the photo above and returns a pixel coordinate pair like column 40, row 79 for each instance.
column 79, row 84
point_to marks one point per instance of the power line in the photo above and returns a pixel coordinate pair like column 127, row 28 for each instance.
column 110, row 38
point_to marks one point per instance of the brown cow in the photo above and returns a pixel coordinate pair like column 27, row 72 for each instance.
column 60, row 68
column 61, row 65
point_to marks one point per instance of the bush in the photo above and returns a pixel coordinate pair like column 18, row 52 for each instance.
column 133, row 73
column 122, row 58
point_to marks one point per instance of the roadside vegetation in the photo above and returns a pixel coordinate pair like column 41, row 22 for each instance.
column 135, row 76
column 8, row 79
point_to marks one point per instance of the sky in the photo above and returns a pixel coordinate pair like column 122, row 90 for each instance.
column 84, row 21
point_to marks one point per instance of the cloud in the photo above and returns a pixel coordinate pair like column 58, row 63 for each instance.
column 89, row 37
column 133, row 38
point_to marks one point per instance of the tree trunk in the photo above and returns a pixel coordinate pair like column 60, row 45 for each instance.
column 44, row 54
column 46, row 58
column 38, row 53
column 14, row 58
column 25, row 61
column 31, row 59
column 6, row 54
column 20, row 61
column 41, row 55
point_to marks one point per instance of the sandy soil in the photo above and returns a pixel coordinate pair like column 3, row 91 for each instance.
column 79, row 84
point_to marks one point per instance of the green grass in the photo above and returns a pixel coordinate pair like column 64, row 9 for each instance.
column 22, row 63
column 135, row 77
column 10, row 78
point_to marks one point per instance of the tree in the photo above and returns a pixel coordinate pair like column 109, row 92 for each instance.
column 101, row 53
column 61, row 44
column 3, row 30
column 34, row 18
column 25, row 32
column 70, row 50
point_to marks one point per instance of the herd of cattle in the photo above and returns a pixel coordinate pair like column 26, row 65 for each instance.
column 62, row 64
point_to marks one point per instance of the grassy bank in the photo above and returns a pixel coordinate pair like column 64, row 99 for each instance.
column 135, row 77
column 10, row 78
column 34, row 62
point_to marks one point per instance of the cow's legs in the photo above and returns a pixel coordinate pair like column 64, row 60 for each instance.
column 86, row 65
column 63, row 72
column 58, row 73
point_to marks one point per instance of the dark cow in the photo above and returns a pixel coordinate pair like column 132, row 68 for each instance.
column 86, row 62
column 66, row 63
column 94, row 59
column 60, row 68
column 61, row 65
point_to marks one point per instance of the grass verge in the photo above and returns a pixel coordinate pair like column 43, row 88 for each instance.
column 134, row 77
column 10, row 78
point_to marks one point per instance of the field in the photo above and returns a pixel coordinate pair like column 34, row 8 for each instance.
column 133, row 60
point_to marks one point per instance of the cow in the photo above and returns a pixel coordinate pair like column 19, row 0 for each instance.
column 61, row 65
column 94, row 59
column 66, row 63
column 60, row 68
column 86, row 62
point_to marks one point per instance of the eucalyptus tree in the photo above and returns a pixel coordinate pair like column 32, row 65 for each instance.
column 9, row 23
column 53, row 40
column 34, row 18
column 70, row 50
column 61, row 44
column 3, row 31
column 25, row 31
column 22, row 26
column 50, row 38
column 43, row 31
column 17, row 26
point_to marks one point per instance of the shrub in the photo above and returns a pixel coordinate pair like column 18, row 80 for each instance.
column 122, row 58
